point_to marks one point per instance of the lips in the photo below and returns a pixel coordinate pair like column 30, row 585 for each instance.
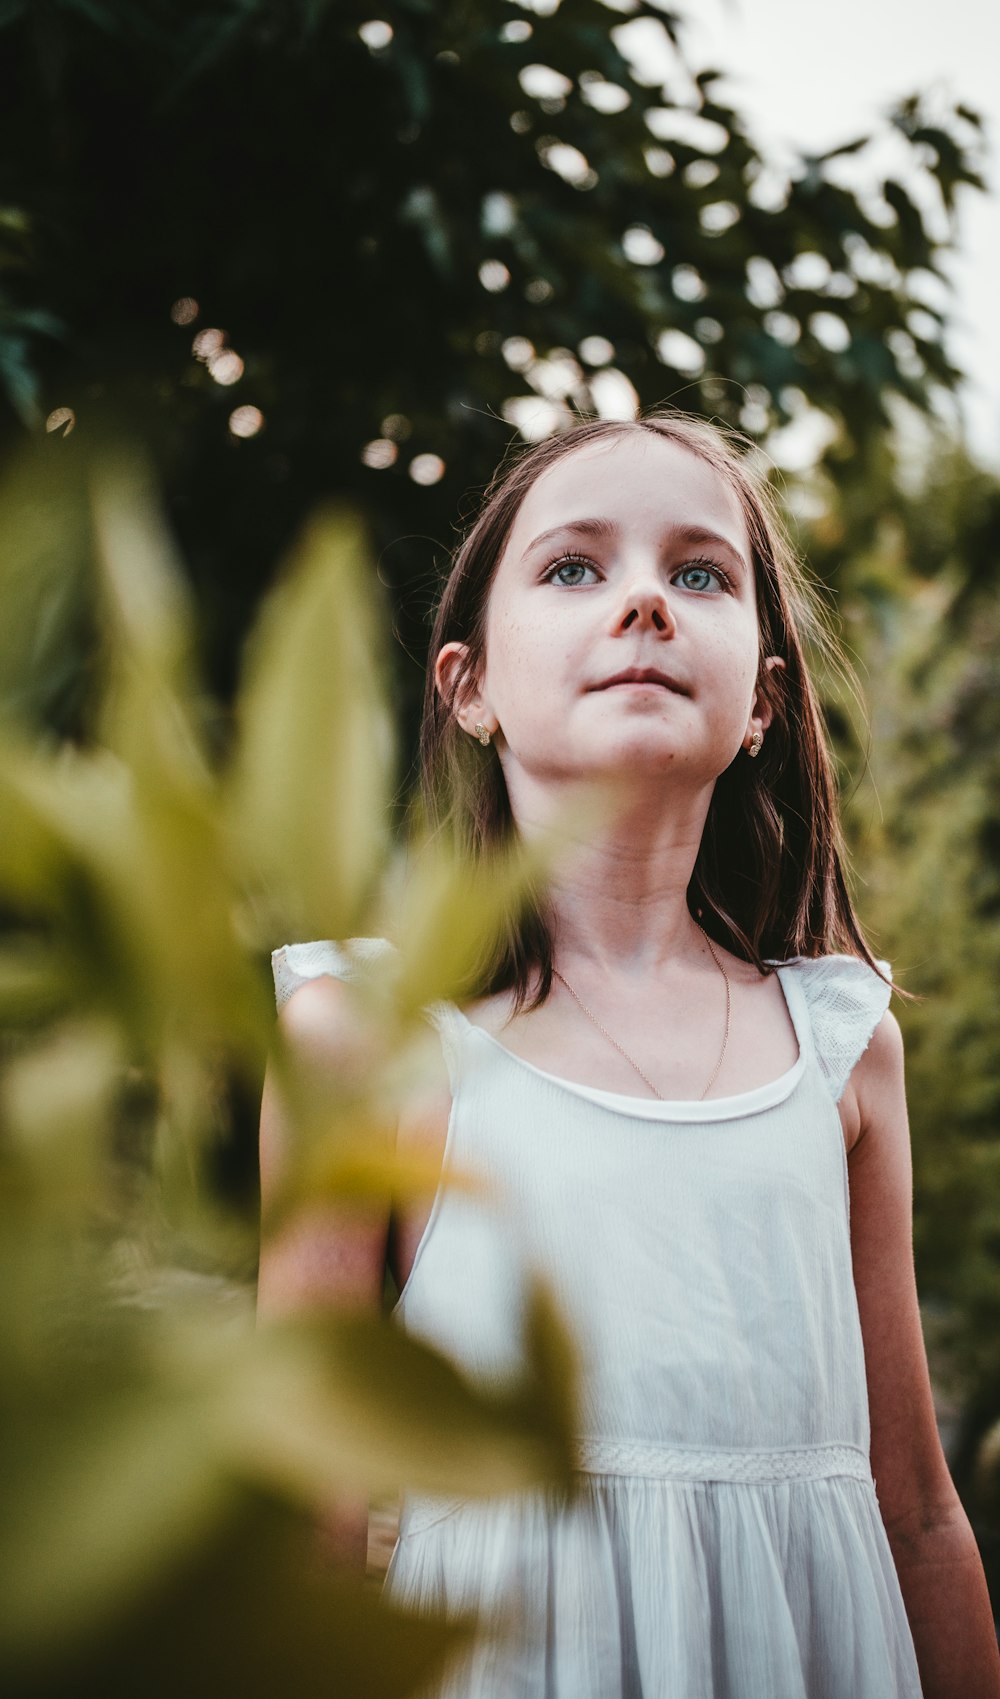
column 643, row 675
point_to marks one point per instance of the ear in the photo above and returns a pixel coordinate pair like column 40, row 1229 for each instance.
column 762, row 712
column 455, row 682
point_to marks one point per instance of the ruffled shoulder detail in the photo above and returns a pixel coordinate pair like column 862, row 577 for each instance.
column 846, row 1000
column 294, row 964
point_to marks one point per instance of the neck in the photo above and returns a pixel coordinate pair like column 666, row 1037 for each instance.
column 617, row 893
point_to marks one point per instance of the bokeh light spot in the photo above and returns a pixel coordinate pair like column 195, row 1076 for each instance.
column 534, row 417
column 427, row 469
column 208, row 342
column 830, row 332
column 184, row 311
column 783, row 327
column 603, row 96
column 246, row 421
column 379, row 454
column 659, row 163
column 614, row 394
column 764, row 286
column 499, row 214
column 396, row 426
column 718, row 217
column 556, row 376
column 687, row 283
column 226, row 367
column 567, row 162
column 641, row 246
column 597, row 351
column 518, row 352
column 708, row 330
column 681, row 352
column 61, row 419
column 494, row 276
column 700, row 173
column 808, row 270
column 376, row 34
column 544, row 83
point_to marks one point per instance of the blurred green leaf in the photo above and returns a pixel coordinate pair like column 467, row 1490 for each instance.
column 252, row 1612
column 57, row 1101
column 312, row 781
column 102, row 1489
column 375, row 1406
column 143, row 1417
column 46, row 634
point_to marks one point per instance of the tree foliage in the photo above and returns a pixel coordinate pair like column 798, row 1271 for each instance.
column 912, row 550
column 417, row 228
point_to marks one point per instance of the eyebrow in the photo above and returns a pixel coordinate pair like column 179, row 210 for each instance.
column 608, row 530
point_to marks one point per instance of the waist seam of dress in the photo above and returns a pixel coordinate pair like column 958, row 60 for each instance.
column 696, row 1463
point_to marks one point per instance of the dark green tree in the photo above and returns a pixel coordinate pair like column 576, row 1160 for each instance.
column 403, row 223
column 914, row 560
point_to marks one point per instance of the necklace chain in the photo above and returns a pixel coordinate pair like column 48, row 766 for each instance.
column 621, row 1048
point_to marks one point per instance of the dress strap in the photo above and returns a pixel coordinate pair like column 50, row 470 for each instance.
column 450, row 1028
column 846, row 1000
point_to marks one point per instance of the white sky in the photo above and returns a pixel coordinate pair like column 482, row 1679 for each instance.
column 811, row 75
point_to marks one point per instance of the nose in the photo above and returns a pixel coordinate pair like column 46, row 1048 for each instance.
column 645, row 607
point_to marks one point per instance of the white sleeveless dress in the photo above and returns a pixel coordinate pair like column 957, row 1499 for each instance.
column 727, row 1543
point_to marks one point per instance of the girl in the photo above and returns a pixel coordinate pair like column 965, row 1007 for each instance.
column 682, row 1077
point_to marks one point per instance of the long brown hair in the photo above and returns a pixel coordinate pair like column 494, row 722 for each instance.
column 768, row 882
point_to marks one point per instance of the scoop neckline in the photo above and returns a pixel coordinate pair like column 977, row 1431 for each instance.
column 681, row 1109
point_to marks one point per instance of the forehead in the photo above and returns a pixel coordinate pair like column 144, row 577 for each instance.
column 637, row 480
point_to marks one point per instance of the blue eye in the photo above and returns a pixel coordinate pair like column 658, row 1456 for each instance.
column 569, row 571
column 705, row 570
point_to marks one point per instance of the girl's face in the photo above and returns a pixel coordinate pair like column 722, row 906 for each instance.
column 621, row 632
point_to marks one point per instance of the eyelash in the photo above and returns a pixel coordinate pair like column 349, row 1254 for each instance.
column 581, row 560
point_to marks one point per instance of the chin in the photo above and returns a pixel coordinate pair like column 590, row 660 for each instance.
column 636, row 755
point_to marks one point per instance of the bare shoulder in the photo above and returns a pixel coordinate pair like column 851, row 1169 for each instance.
column 315, row 1010
column 875, row 1094
column 322, row 1024
column 321, row 1048
column 882, row 1062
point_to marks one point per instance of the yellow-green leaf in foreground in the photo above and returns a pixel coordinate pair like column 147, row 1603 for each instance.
column 313, row 774
column 46, row 624
column 345, row 1399
column 57, row 1100
column 148, row 711
column 179, row 892
column 450, row 916
column 249, row 1613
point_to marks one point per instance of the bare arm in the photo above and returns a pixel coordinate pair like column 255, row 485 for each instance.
column 326, row 1254
column 937, row 1560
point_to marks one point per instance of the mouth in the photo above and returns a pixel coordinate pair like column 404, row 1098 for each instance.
column 643, row 675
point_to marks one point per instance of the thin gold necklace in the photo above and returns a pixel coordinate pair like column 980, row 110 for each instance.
column 621, row 1048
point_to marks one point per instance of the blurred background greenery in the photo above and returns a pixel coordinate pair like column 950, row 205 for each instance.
column 299, row 253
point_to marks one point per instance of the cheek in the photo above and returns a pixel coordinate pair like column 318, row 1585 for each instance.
column 735, row 659
column 518, row 651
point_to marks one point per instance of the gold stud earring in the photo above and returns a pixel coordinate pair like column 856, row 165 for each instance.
column 482, row 733
column 756, row 744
